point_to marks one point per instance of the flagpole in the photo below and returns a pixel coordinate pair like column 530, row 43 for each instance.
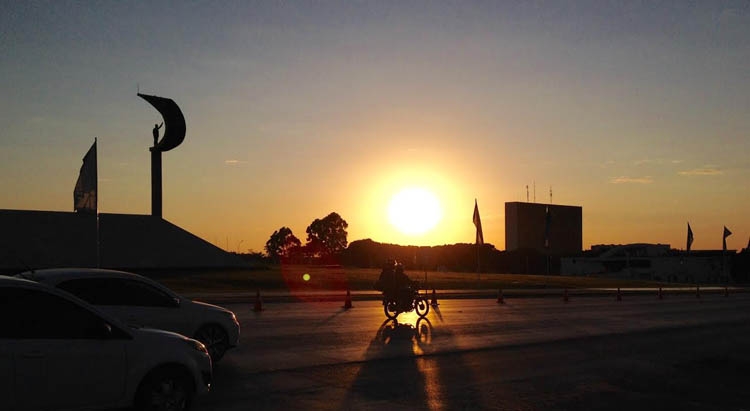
column 98, row 246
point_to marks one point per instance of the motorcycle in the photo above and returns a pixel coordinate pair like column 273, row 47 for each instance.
column 408, row 300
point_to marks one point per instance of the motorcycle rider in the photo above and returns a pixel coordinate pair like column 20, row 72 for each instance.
column 394, row 283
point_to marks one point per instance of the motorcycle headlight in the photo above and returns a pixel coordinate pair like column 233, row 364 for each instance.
column 196, row 345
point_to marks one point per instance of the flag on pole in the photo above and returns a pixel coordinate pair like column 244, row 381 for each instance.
column 85, row 192
column 689, row 237
column 478, row 224
column 727, row 233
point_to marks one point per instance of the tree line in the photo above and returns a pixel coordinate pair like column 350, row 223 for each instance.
column 326, row 239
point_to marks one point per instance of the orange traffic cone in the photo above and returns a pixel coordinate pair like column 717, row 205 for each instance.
column 434, row 302
column 348, row 301
column 619, row 296
column 697, row 291
column 565, row 296
column 258, row 302
column 726, row 291
column 660, row 294
column 500, row 299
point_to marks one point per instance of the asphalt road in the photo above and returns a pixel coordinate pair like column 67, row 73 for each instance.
column 533, row 353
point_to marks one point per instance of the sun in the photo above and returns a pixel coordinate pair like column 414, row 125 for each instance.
column 414, row 211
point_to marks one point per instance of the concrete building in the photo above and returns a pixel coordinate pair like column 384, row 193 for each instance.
column 42, row 239
column 650, row 262
column 528, row 226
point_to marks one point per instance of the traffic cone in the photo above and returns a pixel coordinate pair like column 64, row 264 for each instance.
column 434, row 302
column 660, row 294
column 697, row 291
column 619, row 296
column 348, row 301
column 565, row 296
column 726, row 291
column 258, row 302
column 500, row 299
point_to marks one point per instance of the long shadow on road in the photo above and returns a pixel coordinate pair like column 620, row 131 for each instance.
column 399, row 372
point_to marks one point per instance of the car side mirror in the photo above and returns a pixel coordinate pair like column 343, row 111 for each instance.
column 176, row 301
column 105, row 330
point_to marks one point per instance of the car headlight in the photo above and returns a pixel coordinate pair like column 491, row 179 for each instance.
column 196, row 345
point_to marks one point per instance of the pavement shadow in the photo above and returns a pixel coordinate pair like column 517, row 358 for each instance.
column 390, row 374
column 436, row 310
column 332, row 316
column 405, row 368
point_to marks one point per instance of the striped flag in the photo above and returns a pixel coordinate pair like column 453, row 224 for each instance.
column 727, row 233
column 689, row 237
column 478, row 224
column 85, row 192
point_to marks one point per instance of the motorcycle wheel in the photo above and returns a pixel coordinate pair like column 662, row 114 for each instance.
column 422, row 306
column 390, row 310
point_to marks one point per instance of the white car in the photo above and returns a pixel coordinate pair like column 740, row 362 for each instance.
column 60, row 353
column 142, row 302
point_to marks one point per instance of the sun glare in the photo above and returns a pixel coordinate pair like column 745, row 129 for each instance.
column 414, row 211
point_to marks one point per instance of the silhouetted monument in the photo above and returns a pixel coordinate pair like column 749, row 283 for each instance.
column 174, row 134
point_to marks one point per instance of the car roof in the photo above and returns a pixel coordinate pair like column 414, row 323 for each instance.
column 56, row 275
column 4, row 280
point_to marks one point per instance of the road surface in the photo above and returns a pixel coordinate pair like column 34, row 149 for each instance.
column 682, row 352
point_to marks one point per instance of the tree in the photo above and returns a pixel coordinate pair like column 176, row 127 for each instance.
column 327, row 236
column 281, row 242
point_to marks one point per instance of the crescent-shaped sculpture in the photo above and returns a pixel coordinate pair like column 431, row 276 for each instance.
column 174, row 121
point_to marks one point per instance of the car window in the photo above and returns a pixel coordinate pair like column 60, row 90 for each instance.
column 34, row 314
column 138, row 293
column 117, row 291
column 97, row 291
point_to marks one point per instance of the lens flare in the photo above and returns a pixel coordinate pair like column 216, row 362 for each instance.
column 306, row 277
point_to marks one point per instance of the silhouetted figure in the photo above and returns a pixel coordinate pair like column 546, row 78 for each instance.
column 156, row 132
column 394, row 284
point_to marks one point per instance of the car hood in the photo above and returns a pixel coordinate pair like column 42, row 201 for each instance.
column 210, row 307
column 153, row 332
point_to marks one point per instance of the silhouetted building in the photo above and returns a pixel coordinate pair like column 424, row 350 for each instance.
column 41, row 239
column 548, row 229
column 650, row 262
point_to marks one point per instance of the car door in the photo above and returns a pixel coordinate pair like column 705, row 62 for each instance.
column 64, row 355
column 141, row 303
column 133, row 301
column 7, row 395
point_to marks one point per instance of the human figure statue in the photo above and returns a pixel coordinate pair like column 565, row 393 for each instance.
column 156, row 132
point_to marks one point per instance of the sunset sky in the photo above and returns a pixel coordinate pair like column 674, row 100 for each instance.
column 638, row 113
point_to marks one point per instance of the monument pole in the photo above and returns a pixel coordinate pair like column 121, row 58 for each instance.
column 174, row 134
column 155, row 182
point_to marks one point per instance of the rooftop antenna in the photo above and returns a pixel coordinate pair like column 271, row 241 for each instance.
column 527, row 193
column 550, row 194
column 534, row 182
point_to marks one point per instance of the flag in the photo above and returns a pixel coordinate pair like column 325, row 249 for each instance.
column 547, row 223
column 85, row 193
column 689, row 237
column 727, row 233
column 478, row 224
